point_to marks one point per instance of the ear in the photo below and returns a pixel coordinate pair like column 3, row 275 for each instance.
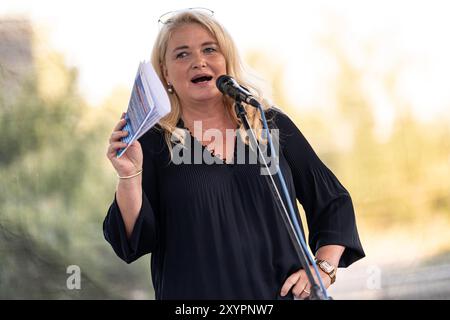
column 165, row 72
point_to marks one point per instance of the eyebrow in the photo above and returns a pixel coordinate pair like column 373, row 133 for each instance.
column 187, row 47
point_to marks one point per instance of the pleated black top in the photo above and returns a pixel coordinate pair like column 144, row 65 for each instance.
column 215, row 230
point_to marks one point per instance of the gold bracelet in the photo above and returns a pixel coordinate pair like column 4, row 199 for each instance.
column 131, row 176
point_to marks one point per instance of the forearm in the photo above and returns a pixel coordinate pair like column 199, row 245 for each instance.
column 331, row 253
column 129, row 200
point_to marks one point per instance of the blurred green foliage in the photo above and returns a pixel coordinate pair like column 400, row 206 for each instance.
column 54, row 192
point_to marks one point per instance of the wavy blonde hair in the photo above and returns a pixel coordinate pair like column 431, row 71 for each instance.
column 234, row 67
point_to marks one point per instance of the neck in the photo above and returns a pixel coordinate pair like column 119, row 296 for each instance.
column 211, row 114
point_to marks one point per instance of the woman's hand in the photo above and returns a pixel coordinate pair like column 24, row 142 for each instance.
column 131, row 161
column 298, row 281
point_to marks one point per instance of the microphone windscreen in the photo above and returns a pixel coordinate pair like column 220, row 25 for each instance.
column 220, row 82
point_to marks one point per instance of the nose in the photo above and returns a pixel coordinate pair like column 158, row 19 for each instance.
column 198, row 62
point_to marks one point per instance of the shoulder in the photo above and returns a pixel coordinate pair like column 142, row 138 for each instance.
column 278, row 119
column 289, row 135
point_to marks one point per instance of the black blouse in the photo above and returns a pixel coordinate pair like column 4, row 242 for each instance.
column 215, row 231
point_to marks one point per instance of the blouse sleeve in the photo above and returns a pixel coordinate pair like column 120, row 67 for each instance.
column 328, row 205
column 143, row 238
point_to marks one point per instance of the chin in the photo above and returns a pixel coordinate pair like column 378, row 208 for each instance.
column 206, row 96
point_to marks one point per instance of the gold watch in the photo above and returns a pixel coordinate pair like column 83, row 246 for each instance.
column 328, row 268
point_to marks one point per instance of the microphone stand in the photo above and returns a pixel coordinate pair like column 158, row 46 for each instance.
column 318, row 291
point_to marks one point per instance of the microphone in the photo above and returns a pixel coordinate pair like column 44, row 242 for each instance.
column 228, row 86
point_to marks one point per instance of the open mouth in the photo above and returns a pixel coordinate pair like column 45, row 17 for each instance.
column 200, row 79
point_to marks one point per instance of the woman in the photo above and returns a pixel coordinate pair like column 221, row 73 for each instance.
column 214, row 230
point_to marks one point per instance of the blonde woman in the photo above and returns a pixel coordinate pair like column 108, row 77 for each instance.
column 213, row 227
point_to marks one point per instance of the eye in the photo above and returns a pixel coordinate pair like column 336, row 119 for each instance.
column 181, row 55
column 209, row 50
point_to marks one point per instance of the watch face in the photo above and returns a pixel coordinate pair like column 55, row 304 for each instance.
column 328, row 267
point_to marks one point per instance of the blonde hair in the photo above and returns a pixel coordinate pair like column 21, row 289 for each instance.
column 234, row 67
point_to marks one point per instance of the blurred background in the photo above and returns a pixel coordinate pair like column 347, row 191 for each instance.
column 367, row 82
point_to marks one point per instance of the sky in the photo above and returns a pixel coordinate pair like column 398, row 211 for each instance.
column 106, row 40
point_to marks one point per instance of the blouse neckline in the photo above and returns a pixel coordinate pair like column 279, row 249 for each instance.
column 181, row 125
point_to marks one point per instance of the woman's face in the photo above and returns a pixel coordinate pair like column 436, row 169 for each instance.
column 193, row 62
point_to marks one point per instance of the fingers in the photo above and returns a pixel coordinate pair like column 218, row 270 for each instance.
column 290, row 282
column 299, row 288
column 113, row 147
column 120, row 124
column 117, row 135
column 299, row 284
column 306, row 292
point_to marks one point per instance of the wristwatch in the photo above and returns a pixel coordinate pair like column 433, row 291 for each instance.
column 328, row 268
